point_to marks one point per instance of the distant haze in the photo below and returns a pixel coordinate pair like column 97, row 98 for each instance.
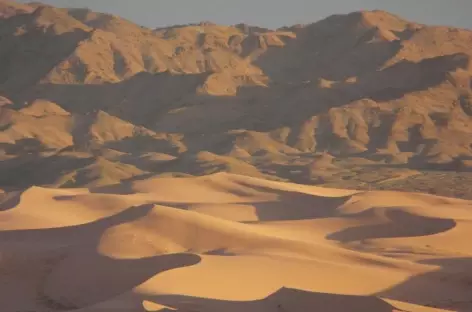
column 272, row 13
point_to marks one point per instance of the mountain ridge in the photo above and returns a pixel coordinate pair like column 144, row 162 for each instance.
column 365, row 87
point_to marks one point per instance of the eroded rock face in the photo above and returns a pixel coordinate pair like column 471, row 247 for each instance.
column 366, row 84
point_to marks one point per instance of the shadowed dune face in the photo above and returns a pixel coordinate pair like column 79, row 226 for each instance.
column 84, row 278
column 79, row 232
column 283, row 300
column 398, row 223
column 9, row 200
column 450, row 269
column 296, row 206
column 78, row 278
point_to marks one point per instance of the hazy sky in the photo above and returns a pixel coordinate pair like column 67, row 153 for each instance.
column 272, row 13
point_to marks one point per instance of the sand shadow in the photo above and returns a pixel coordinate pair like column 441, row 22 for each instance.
column 74, row 234
column 223, row 252
column 289, row 205
column 449, row 287
column 125, row 187
column 283, row 300
column 293, row 205
column 80, row 275
column 401, row 224
column 88, row 278
column 10, row 200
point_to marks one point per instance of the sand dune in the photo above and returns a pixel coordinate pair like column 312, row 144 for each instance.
column 232, row 243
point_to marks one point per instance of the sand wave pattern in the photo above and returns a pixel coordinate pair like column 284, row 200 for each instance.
column 226, row 242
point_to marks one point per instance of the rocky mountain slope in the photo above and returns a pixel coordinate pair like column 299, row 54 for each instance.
column 363, row 100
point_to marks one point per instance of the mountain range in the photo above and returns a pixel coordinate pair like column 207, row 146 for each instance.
column 361, row 100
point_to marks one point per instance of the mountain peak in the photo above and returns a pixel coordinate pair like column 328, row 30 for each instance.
column 362, row 20
column 57, row 20
column 11, row 8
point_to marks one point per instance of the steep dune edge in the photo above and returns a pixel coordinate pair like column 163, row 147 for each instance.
column 158, row 238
